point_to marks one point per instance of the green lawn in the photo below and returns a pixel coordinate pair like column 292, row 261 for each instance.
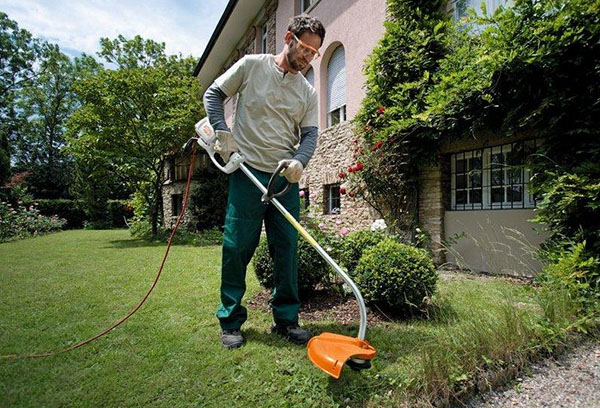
column 62, row 288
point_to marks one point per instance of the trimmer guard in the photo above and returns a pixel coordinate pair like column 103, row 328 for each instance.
column 330, row 351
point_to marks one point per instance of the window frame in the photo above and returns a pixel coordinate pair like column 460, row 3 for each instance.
column 304, row 8
column 338, row 114
column 332, row 196
column 514, row 176
column 263, row 39
column 176, row 204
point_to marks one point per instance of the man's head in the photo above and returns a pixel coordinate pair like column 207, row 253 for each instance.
column 303, row 39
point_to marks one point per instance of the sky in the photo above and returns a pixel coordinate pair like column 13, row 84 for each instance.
column 185, row 26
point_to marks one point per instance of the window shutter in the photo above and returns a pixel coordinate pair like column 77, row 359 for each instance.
column 310, row 76
column 336, row 80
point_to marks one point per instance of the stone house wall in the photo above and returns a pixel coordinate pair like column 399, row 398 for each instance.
column 331, row 157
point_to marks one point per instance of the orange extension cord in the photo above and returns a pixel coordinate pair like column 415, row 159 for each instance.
column 135, row 309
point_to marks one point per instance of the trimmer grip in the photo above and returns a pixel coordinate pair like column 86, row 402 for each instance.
column 271, row 186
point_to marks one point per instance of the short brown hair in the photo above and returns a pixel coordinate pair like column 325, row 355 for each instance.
column 303, row 23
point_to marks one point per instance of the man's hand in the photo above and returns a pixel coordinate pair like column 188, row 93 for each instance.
column 293, row 172
column 225, row 144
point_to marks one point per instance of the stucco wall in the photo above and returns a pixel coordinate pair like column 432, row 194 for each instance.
column 496, row 241
column 357, row 25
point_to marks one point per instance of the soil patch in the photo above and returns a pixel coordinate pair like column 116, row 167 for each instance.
column 325, row 305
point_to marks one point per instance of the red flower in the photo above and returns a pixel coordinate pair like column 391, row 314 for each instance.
column 381, row 110
column 341, row 174
column 359, row 166
column 342, row 190
column 377, row 146
column 350, row 169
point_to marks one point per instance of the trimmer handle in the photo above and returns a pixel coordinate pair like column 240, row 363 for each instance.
column 271, row 186
column 207, row 139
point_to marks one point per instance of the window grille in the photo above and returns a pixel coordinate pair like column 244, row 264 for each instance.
column 492, row 177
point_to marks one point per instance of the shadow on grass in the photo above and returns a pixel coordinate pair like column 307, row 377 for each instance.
column 135, row 243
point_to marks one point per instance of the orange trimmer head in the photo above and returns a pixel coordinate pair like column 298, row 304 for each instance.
column 330, row 352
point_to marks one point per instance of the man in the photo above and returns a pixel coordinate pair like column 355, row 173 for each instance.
column 276, row 121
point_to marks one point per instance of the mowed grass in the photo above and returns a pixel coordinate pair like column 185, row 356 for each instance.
column 59, row 289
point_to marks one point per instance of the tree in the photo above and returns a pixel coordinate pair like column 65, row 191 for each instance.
column 18, row 53
column 45, row 103
column 132, row 115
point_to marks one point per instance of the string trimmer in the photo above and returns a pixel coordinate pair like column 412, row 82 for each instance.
column 328, row 351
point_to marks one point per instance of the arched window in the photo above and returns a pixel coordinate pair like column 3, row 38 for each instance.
column 336, row 87
column 310, row 76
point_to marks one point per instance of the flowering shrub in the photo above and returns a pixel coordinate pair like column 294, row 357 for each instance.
column 22, row 221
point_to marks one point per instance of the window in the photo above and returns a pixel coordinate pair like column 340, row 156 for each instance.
column 176, row 204
column 306, row 4
column 179, row 166
column 460, row 7
column 336, row 87
column 310, row 76
column 492, row 178
column 331, row 199
column 263, row 39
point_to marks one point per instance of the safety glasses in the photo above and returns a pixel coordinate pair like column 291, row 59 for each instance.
column 308, row 51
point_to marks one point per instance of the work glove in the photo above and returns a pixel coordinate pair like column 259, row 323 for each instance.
column 293, row 172
column 225, row 144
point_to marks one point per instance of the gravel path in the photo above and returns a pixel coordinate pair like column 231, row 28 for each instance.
column 571, row 381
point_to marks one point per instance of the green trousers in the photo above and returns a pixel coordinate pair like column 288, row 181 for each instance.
column 243, row 223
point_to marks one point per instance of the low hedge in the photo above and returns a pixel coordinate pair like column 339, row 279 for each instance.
column 396, row 277
column 355, row 243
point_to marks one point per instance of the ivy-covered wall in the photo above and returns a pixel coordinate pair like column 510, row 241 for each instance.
column 531, row 68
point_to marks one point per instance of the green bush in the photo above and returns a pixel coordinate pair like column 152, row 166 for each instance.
column 396, row 277
column 312, row 268
column 70, row 210
column 574, row 272
column 355, row 244
column 142, row 229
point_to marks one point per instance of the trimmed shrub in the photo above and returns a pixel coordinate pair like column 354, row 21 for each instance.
column 397, row 277
column 355, row 244
column 312, row 268
column 70, row 210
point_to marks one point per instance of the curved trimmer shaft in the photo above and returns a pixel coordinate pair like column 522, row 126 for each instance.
column 361, row 303
column 327, row 351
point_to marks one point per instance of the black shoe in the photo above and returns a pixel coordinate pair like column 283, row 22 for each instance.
column 293, row 333
column 232, row 339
